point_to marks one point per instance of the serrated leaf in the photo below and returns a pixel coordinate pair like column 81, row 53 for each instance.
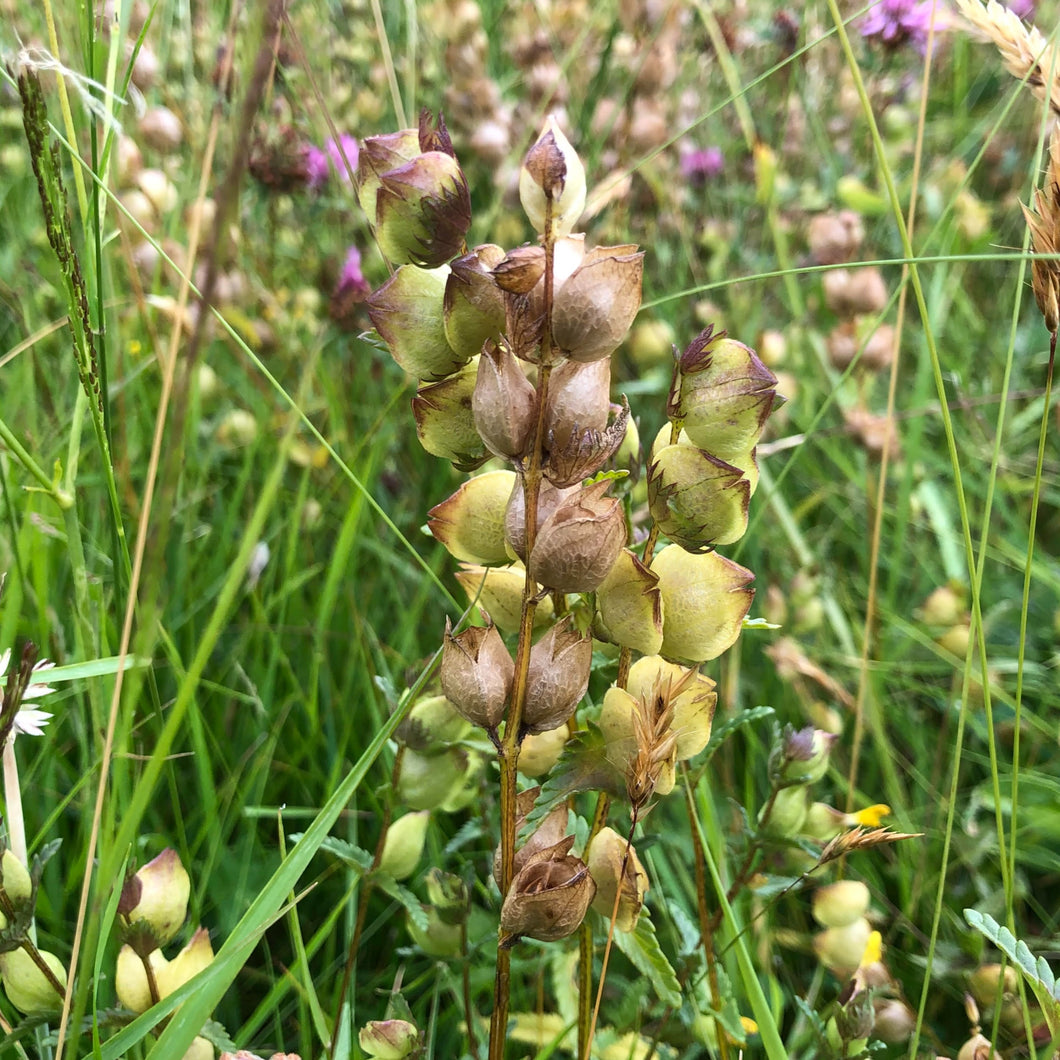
column 641, row 946
column 469, row 832
column 810, row 1015
column 389, row 886
column 347, row 853
column 722, row 732
column 583, row 766
column 1037, row 971
column 216, row 1034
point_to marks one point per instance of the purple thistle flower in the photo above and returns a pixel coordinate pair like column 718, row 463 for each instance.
column 1022, row 8
column 895, row 23
column 699, row 165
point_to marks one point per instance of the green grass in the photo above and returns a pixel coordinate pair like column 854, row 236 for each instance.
column 264, row 710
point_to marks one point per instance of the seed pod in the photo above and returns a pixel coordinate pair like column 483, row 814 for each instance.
column 426, row 781
column 403, row 846
column 548, row 833
column 470, row 523
column 473, row 305
column 558, row 676
column 15, row 880
column 839, row 904
column 724, row 396
column 593, row 310
column 579, row 542
column 552, row 172
column 407, row 312
column 705, row 599
column 696, row 499
column 548, row 898
column 499, row 590
column 26, row 986
column 379, row 155
column 504, row 403
column 156, row 898
column 540, row 751
column 630, row 605
column 477, row 673
column 445, row 424
column 520, row 269
column 389, row 1039
column 606, row 855
column 579, row 396
column 840, row 949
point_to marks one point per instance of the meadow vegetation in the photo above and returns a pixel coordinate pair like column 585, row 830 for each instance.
column 303, row 361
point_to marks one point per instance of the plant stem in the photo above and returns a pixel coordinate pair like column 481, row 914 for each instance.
column 508, row 752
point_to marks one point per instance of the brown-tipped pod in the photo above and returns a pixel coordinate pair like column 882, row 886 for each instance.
column 548, row 898
column 548, row 833
column 477, row 673
column 558, row 676
column 579, row 542
column 579, row 396
column 504, row 403
column 379, row 155
column 552, row 173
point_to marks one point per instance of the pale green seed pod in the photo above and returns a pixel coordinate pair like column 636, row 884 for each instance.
column 787, row 813
column 436, row 721
column 630, row 605
column 552, row 171
column 26, row 986
column 705, row 600
column 540, row 751
column 408, row 313
column 403, row 846
column 474, row 305
column 157, row 897
column 840, row 949
column 725, row 395
column 389, row 1039
column 605, row 856
column 697, row 500
column 839, row 904
column 426, row 781
column 445, row 424
column 499, row 591
column 470, row 523
column 440, row 939
column 16, row 881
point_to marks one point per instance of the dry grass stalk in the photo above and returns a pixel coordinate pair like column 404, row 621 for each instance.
column 1025, row 52
column 1044, row 223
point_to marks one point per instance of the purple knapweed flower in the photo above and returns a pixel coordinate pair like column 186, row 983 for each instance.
column 352, row 285
column 339, row 155
column 699, row 165
column 895, row 23
column 1022, row 8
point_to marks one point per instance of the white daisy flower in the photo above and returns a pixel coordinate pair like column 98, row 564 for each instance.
column 28, row 721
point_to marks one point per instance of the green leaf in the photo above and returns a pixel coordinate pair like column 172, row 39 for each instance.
column 349, row 854
column 641, row 946
column 388, row 885
column 93, row 668
column 1037, row 971
column 722, row 732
